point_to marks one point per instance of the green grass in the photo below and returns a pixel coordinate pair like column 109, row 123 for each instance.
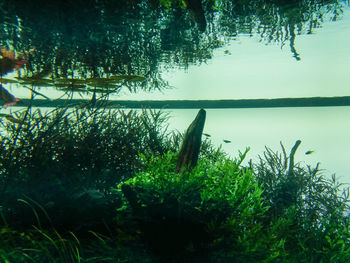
column 39, row 245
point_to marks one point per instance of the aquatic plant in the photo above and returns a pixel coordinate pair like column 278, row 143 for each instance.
column 307, row 210
column 272, row 211
column 64, row 158
column 216, row 206
column 39, row 245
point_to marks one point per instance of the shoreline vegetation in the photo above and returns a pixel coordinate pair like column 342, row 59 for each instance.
column 197, row 104
column 89, row 182
column 93, row 185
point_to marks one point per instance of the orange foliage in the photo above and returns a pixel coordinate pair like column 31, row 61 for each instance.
column 9, row 62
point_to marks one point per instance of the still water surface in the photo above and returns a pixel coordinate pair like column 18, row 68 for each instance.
column 247, row 68
column 324, row 130
column 226, row 60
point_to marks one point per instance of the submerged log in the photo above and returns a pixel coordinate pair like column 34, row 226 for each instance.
column 191, row 143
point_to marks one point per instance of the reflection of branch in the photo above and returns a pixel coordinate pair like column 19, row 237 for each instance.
column 92, row 103
column 292, row 41
column 36, row 92
column 40, row 94
column 6, row 96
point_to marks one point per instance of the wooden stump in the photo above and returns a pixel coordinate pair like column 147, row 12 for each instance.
column 291, row 157
column 188, row 157
column 191, row 143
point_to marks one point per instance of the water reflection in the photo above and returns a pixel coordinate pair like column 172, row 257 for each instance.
column 85, row 39
column 246, row 69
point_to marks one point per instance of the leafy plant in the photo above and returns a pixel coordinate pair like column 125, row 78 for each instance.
column 67, row 160
column 309, row 212
column 215, row 206
column 273, row 211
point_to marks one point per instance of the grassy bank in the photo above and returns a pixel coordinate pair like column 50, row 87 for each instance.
column 87, row 185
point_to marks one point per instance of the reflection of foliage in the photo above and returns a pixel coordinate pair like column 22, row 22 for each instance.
column 106, row 86
column 9, row 62
column 77, row 40
column 274, row 20
column 85, row 39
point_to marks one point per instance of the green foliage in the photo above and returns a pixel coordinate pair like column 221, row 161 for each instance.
column 60, row 166
column 215, row 206
column 307, row 211
column 38, row 245
column 172, row 3
column 274, row 211
column 67, row 160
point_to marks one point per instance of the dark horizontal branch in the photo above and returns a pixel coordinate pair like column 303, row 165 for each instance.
column 198, row 104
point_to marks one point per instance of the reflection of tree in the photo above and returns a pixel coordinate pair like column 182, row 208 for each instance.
column 80, row 40
column 276, row 21
column 8, row 63
column 94, row 39
column 7, row 97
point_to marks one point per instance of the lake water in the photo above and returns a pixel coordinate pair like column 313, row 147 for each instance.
column 247, row 68
column 301, row 58
column 321, row 129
